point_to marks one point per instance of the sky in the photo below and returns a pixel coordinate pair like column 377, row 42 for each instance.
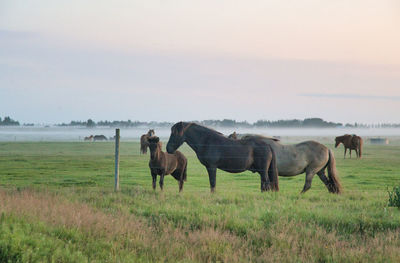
column 171, row 60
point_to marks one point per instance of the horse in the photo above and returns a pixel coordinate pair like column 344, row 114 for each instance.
column 238, row 136
column 162, row 163
column 88, row 139
column 352, row 142
column 233, row 135
column 310, row 157
column 99, row 138
column 143, row 141
column 215, row 151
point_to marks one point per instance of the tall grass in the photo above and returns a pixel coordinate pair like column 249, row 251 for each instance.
column 57, row 204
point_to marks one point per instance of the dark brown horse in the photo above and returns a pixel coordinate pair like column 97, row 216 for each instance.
column 143, row 141
column 99, row 138
column 352, row 142
column 214, row 151
column 308, row 157
column 162, row 163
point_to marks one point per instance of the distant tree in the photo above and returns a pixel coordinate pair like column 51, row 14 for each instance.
column 313, row 122
column 9, row 122
column 228, row 123
column 90, row 123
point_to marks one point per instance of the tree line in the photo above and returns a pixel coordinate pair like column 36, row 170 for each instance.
column 227, row 123
column 7, row 121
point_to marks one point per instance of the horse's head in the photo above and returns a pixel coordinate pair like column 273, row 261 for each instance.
column 151, row 132
column 154, row 145
column 177, row 137
column 233, row 136
column 337, row 142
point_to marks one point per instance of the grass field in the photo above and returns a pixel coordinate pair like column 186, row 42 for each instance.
column 57, row 204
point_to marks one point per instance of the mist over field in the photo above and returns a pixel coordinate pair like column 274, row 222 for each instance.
column 54, row 133
column 293, row 70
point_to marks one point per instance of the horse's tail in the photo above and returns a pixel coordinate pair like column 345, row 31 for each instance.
column 360, row 146
column 334, row 183
column 273, row 171
column 143, row 144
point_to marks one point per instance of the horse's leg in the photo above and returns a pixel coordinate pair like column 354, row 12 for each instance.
column 324, row 179
column 180, row 185
column 309, row 176
column 212, row 174
column 178, row 175
column 162, row 180
column 357, row 154
column 350, row 152
column 181, row 178
column 154, row 175
column 265, row 180
column 345, row 150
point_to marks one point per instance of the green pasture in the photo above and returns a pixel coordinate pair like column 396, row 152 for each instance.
column 238, row 223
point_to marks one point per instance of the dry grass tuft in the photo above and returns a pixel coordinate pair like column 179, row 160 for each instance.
column 282, row 241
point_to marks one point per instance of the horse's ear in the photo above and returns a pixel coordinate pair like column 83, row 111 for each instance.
column 179, row 128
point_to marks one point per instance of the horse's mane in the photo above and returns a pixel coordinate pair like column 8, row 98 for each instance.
column 206, row 129
column 344, row 136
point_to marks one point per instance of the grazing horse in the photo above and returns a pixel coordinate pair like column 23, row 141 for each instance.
column 99, row 138
column 143, row 141
column 214, row 151
column 88, row 139
column 162, row 163
column 310, row 157
column 352, row 142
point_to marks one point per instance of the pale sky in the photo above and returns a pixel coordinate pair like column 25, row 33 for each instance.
column 193, row 60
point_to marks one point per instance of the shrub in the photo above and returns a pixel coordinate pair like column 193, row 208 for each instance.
column 394, row 197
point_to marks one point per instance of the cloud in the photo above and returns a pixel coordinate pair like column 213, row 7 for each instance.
column 348, row 96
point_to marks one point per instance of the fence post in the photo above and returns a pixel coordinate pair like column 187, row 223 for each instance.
column 116, row 160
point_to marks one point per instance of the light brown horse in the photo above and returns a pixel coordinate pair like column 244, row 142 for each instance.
column 162, row 163
column 308, row 157
column 352, row 142
column 143, row 141
column 89, row 139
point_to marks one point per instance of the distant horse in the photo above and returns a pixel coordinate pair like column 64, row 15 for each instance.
column 352, row 142
column 238, row 136
column 214, row 151
column 88, row 139
column 99, row 138
column 233, row 136
column 143, row 141
column 162, row 163
column 310, row 157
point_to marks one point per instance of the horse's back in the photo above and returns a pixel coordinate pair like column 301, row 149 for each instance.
column 176, row 160
column 100, row 138
column 245, row 154
column 296, row 158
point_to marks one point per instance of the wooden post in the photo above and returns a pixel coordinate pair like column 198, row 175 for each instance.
column 116, row 160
